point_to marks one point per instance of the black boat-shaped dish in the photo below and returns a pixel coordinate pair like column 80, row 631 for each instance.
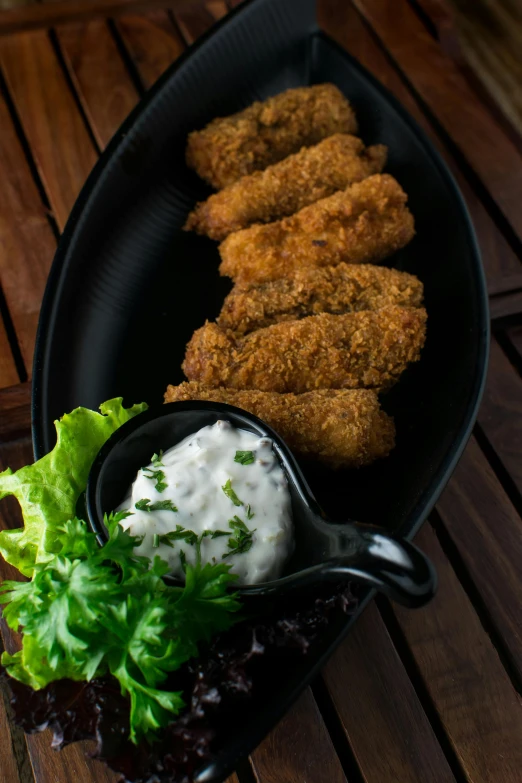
column 128, row 287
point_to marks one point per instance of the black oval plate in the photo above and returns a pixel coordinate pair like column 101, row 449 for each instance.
column 128, row 287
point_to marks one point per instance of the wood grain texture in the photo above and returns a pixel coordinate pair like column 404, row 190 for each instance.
column 193, row 22
column 500, row 415
column 486, row 529
column 369, row 687
column 299, row 749
column 441, row 17
column 8, row 762
column 344, row 24
column 515, row 336
column 62, row 148
column 152, row 41
column 70, row 765
column 8, row 371
column 99, row 74
column 15, row 412
column 217, row 8
column 506, row 305
column 480, row 710
column 27, row 243
column 447, row 93
column 490, row 34
column 50, row 14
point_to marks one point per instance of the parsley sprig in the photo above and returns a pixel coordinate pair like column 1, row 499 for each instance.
column 191, row 538
column 90, row 611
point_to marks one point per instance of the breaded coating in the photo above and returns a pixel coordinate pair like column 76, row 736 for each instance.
column 312, row 290
column 267, row 131
column 284, row 188
column 342, row 428
column 363, row 224
column 366, row 349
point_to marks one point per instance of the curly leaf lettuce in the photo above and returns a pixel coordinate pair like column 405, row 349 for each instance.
column 49, row 490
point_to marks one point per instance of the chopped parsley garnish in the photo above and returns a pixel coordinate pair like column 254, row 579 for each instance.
column 160, row 505
column 179, row 534
column 249, row 513
column 182, row 534
column 158, row 476
column 242, row 538
column 156, row 459
column 245, row 457
column 229, row 492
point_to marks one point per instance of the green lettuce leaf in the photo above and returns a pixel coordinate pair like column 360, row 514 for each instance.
column 49, row 490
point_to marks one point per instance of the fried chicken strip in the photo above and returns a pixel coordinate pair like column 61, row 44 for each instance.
column 312, row 290
column 343, row 428
column 265, row 132
column 284, row 188
column 365, row 349
column 363, row 224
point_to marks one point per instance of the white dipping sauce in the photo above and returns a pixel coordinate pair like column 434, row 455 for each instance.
column 245, row 504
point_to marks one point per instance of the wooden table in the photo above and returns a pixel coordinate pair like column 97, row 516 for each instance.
column 429, row 696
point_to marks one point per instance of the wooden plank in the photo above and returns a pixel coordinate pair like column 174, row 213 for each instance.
column 485, row 527
column 380, row 712
column 27, row 243
column 15, row 412
column 503, row 268
column 99, row 74
column 9, row 771
column 506, row 305
column 44, row 15
column 70, row 764
column 480, row 710
column 152, row 41
column 217, row 8
column 442, row 18
column 447, row 93
column 193, row 22
column 500, row 416
column 298, row 749
column 8, row 371
column 59, row 141
column 515, row 336
column 490, row 40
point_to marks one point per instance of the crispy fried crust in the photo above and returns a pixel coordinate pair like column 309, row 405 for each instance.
column 284, row 188
column 365, row 349
column 312, row 290
column 343, row 428
column 268, row 131
column 363, row 224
